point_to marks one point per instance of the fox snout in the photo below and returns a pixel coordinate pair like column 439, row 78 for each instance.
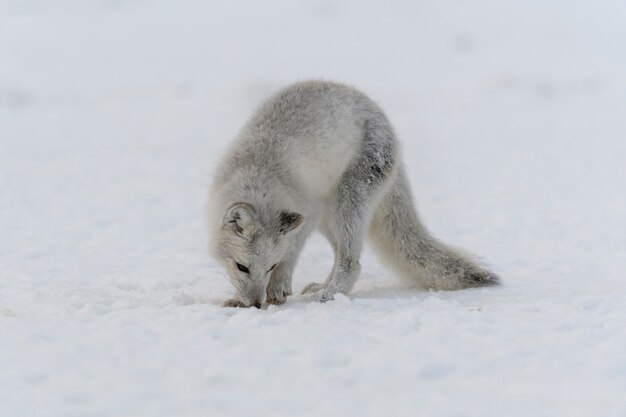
column 253, row 297
column 255, row 302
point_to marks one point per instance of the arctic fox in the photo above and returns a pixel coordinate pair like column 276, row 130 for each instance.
column 322, row 156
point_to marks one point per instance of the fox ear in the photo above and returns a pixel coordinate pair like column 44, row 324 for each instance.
column 289, row 222
column 241, row 217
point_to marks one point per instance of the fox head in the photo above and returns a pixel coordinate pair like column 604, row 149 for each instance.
column 250, row 245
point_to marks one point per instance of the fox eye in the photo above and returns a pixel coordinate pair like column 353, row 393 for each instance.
column 242, row 268
column 273, row 266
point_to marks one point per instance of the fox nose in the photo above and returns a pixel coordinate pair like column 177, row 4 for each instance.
column 257, row 304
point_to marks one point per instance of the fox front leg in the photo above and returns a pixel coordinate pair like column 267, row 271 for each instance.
column 279, row 286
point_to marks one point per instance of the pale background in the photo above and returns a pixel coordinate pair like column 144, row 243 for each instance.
column 113, row 114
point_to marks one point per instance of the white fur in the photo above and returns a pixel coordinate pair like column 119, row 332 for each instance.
column 321, row 156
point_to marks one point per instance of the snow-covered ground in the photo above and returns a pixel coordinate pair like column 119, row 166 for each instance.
column 114, row 112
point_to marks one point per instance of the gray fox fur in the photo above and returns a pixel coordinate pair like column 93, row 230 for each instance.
column 322, row 156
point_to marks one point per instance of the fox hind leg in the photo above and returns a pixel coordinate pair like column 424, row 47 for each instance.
column 348, row 222
column 358, row 193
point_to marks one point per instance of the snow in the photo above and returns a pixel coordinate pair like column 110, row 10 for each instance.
column 114, row 113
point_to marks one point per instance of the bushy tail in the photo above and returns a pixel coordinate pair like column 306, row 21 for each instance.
column 401, row 240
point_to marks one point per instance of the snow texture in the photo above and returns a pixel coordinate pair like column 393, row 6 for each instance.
column 113, row 114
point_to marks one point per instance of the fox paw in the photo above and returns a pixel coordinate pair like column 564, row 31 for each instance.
column 276, row 297
column 323, row 296
column 313, row 288
column 278, row 294
column 318, row 292
column 233, row 302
